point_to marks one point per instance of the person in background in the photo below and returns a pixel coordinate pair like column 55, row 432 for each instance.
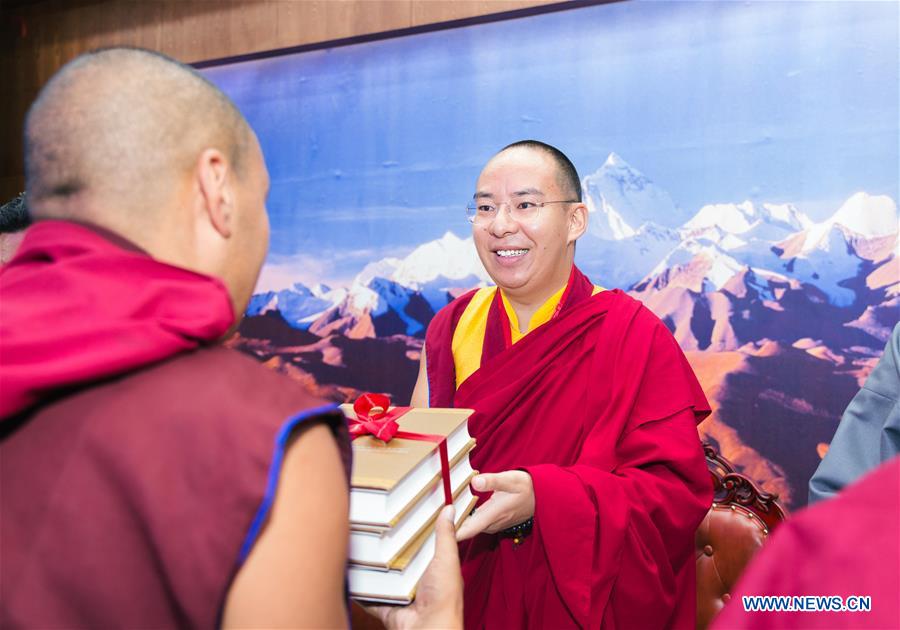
column 869, row 432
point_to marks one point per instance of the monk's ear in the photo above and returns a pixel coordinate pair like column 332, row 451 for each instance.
column 216, row 190
column 578, row 222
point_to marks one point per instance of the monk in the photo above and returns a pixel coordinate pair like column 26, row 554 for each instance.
column 152, row 478
column 593, row 476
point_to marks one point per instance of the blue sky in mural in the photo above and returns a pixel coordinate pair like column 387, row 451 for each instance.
column 374, row 148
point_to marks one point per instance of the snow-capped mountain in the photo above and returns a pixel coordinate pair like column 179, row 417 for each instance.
column 828, row 265
column 392, row 307
column 449, row 257
column 734, row 225
column 389, row 296
column 868, row 215
column 383, row 268
column 867, row 223
column 379, row 309
column 780, row 239
column 320, row 290
column 437, row 267
column 861, row 216
column 298, row 305
column 833, row 252
column 621, row 199
column 605, row 222
column 723, row 249
column 625, row 237
column 621, row 263
column 696, row 266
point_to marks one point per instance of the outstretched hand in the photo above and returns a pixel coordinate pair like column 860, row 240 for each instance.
column 511, row 504
column 439, row 596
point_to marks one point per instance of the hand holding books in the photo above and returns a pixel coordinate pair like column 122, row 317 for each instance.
column 439, row 600
column 511, row 504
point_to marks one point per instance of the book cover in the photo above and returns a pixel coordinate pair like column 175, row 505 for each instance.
column 390, row 478
column 382, row 466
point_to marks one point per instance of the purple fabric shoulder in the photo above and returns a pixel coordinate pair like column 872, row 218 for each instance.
column 128, row 503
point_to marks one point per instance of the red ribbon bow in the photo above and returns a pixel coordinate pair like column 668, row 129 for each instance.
column 374, row 417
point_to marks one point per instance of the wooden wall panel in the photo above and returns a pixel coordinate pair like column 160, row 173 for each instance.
column 38, row 37
column 432, row 12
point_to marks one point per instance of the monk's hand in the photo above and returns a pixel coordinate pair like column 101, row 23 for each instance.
column 439, row 595
column 512, row 503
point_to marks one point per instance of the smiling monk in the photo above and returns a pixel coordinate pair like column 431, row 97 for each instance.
column 594, row 478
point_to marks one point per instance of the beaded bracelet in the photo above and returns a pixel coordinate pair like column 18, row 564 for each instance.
column 518, row 532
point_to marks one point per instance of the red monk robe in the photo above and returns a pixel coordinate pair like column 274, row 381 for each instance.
column 846, row 546
column 600, row 407
column 138, row 458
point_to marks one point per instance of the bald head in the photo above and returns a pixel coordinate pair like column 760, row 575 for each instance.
column 145, row 147
column 566, row 174
column 114, row 129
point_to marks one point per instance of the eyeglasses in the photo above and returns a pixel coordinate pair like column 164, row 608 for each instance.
column 483, row 211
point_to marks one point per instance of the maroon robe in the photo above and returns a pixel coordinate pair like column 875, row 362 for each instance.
column 138, row 459
column 600, row 406
column 846, row 546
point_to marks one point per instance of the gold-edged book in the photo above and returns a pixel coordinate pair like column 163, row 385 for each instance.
column 385, row 548
column 398, row 585
column 390, row 478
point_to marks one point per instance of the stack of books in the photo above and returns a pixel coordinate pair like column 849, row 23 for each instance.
column 397, row 493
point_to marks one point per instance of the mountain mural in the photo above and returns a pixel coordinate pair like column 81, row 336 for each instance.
column 781, row 317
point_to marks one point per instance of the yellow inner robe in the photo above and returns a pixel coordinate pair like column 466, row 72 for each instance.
column 468, row 338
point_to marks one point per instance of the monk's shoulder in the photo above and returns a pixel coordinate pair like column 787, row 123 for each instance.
column 636, row 322
column 216, row 371
column 209, row 391
column 620, row 304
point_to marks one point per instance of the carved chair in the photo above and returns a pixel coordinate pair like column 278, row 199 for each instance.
column 733, row 530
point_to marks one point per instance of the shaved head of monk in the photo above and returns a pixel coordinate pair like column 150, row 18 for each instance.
column 527, row 214
column 137, row 143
